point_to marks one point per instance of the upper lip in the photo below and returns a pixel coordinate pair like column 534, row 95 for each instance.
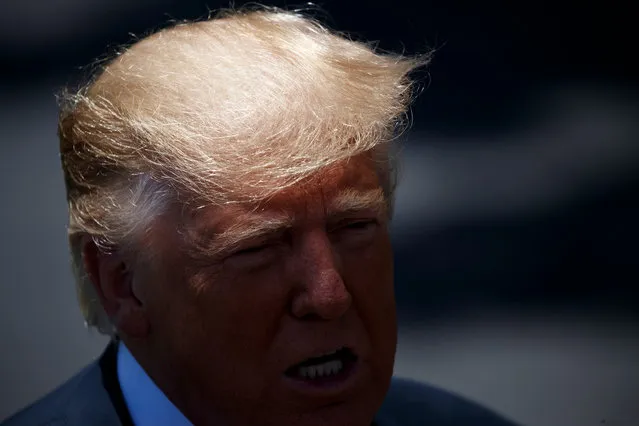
column 320, row 353
column 327, row 353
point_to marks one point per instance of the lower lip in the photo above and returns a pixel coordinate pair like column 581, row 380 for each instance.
column 334, row 385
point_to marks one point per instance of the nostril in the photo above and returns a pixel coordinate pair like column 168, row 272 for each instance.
column 311, row 316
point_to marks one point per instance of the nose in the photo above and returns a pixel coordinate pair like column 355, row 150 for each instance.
column 322, row 293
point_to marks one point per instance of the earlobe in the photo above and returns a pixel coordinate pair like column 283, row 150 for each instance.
column 111, row 274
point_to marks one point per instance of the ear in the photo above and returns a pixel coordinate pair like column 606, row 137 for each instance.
column 111, row 273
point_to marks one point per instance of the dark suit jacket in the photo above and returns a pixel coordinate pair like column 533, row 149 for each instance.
column 93, row 398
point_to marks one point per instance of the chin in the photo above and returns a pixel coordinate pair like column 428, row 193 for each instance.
column 344, row 414
column 359, row 411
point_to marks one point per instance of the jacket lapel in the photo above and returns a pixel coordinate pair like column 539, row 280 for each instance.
column 94, row 400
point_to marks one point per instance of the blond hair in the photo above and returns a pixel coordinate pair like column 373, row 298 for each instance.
column 230, row 109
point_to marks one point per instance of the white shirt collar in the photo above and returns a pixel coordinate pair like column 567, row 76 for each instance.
column 147, row 404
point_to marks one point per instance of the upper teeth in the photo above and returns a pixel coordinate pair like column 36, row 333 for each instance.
column 320, row 370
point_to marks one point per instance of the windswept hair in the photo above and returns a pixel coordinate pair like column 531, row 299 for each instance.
column 230, row 109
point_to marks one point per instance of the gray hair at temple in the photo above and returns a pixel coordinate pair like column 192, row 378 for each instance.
column 230, row 109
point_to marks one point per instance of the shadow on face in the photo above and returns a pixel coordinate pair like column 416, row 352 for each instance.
column 277, row 313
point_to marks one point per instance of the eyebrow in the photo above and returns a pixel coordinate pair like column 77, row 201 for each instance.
column 250, row 228
column 351, row 200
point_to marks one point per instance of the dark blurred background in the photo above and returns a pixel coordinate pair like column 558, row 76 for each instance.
column 516, row 221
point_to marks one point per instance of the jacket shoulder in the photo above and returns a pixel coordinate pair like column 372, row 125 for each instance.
column 410, row 403
column 79, row 399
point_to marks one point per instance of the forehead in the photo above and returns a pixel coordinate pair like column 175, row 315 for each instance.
column 315, row 195
column 355, row 174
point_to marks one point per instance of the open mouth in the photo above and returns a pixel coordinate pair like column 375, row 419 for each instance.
column 326, row 368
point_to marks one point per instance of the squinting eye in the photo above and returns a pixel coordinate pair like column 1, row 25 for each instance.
column 254, row 257
column 360, row 225
column 356, row 229
column 356, row 233
column 250, row 250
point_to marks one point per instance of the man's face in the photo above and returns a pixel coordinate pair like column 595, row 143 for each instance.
column 294, row 322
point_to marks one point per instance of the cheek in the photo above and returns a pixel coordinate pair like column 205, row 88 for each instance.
column 369, row 276
column 368, row 273
column 240, row 311
column 221, row 328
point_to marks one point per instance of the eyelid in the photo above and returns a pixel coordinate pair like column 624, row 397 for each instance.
column 249, row 248
column 346, row 222
column 254, row 244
